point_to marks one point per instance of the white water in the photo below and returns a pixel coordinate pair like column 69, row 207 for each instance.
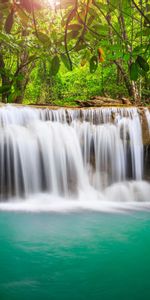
column 71, row 159
column 147, row 114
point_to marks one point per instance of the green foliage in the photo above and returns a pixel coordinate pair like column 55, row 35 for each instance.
column 4, row 88
column 66, row 87
column 142, row 63
column 55, row 64
column 39, row 46
column 93, row 64
column 134, row 71
column 66, row 61
column 43, row 38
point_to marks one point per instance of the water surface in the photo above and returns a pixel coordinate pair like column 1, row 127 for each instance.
column 70, row 256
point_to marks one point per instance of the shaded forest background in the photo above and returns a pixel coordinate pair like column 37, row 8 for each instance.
column 58, row 52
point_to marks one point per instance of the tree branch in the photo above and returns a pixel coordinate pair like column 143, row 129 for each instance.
column 108, row 21
column 141, row 12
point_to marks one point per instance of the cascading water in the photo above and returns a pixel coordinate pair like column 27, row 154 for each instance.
column 147, row 114
column 53, row 159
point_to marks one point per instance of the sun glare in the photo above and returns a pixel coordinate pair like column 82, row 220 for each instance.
column 53, row 3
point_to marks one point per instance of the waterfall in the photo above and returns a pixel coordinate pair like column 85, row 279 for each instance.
column 79, row 155
column 147, row 114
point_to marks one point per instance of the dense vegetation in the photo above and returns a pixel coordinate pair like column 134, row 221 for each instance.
column 56, row 51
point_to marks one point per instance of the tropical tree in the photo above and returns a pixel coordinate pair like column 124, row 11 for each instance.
column 39, row 35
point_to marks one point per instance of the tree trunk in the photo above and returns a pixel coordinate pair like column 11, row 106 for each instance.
column 22, row 81
column 23, row 71
column 21, row 86
column 130, row 85
column 5, row 80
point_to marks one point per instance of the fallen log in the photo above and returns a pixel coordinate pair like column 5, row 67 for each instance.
column 98, row 101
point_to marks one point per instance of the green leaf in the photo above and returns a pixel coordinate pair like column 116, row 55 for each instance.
column 93, row 64
column 116, row 47
column 32, row 58
column 142, row 63
column 43, row 37
column 23, row 16
column 126, row 56
column 69, row 15
column 101, row 6
column 137, row 50
column 20, row 77
column 93, row 12
column 80, row 45
column 9, row 22
column 75, row 27
column 72, row 34
column 55, row 64
column 134, row 71
column 9, row 40
column 141, row 72
column 101, row 29
column 144, row 32
column 4, row 88
column 66, row 3
column 66, row 61
column 90, row 20
column 114, row 3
